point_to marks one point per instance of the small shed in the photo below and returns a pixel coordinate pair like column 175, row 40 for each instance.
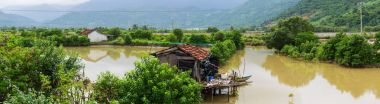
column 189, row 57
column 95, row 36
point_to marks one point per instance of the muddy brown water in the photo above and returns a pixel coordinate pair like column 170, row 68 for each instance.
column 274, row 77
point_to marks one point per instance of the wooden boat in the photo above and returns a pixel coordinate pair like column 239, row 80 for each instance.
column 242, row 79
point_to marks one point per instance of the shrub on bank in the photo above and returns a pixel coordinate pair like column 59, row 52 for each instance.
column 141, row 34
column 150, row 82
column 329, row 48
column 223, row 50
column 128, row 40
column 198, row 39
column 354, row 51
column 140, row 42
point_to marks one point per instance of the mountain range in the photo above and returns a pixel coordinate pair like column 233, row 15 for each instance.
column 14, row 20
column 338, row 13
column 197, row 13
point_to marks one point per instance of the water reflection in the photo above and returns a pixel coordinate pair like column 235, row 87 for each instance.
column 116, row 59
column 290, row 72
column 299, row 73
column 274, row 76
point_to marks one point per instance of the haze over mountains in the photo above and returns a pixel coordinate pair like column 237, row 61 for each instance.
column 155, row 13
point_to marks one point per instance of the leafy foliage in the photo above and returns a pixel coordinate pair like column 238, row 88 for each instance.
column 141, row 34
column 107, row 87
column 223, row 50
column 287, row 30
column 329, row 48
column 150, row 82
column 218, row 36
column 179, row 34
column 354, row 51
column 212, row 29
column 198, row 39
column 337, row 15
column 305, row 37
column 128, row 39
column 42, row 67
column 29, row 98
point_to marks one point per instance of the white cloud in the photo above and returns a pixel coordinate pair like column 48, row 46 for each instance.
column 6, row 3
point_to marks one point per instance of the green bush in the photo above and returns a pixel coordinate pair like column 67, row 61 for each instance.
column 218, row 36
column 42, row 67
column 329, row 48
column 377, row 41
column 223, row 50
column 212, row 30
column 141, row 34
column 291, row 51
column 140, row 42
column 107, row 87
column 29, row 98
column 305, row 37
column 287, row 30
column 118, row 41
column 256, row 41
column 236, row 36
column 171, row 38
column 354, row 51
column 128, row 40
column 154, row 83
column 198, row 39
column 179, row 34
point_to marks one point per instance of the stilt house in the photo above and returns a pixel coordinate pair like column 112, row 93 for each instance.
column 189, row 57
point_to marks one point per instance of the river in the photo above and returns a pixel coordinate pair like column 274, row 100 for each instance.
column 274, row 78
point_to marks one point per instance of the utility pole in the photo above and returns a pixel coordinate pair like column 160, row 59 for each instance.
column 361, row 17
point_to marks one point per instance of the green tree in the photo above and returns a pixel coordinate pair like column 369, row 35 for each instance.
column 179, row 34
column 198, row 39
column 153, row 82
column 330, row 47
column 29, row 98
column 377, row 41
column 305, row 37
column 295, row 25
column 286, row 30
column 218, row 36
column 279, row 39
column 116, row 32
column 212, row 30
column 236, row 37
column 354, row 51
column 223, row 50
column 172, row 38
column 106, row 88
column 42, row 67
column 128, row 39
column 141, row 34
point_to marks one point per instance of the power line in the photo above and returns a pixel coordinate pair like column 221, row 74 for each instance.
column 133, row 11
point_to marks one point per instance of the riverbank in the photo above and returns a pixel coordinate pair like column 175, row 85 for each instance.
column 306, row 80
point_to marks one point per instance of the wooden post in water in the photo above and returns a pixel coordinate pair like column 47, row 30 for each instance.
column 228, row 93
column 212, row 94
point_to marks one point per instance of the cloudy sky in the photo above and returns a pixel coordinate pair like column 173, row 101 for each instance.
column 5, row 3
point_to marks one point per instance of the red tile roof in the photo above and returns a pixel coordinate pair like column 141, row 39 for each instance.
column 87, row 31
column 197, row 52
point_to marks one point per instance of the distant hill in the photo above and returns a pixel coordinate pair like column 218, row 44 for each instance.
column 337, row 13
column 14, row 20
column 36, row 15
column 180, row 13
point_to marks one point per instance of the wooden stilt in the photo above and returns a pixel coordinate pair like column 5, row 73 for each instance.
column 228, row 94
column 212, row 94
